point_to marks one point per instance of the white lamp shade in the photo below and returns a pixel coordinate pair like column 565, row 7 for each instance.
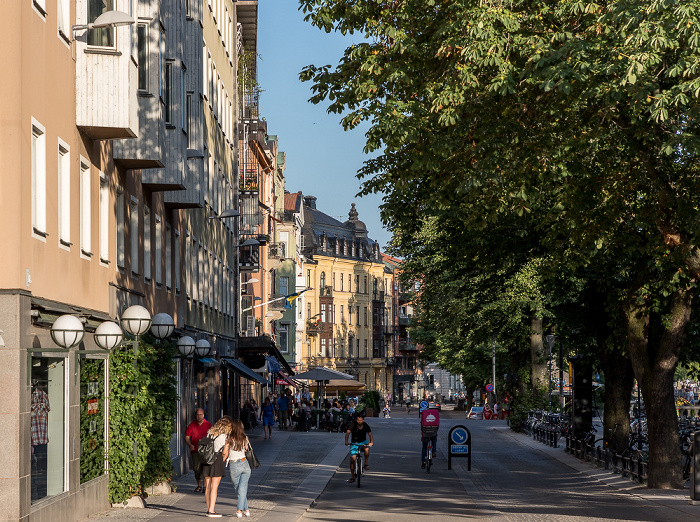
column 202, row 347
column 67, row 331
column 136, row 320
column 108, row 335
column 186, row 345
column 162, row 326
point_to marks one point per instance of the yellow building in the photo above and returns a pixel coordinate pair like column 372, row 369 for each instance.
column 347, row 320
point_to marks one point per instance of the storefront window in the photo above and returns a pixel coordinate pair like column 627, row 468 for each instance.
column 92, row 419
column 48, row 421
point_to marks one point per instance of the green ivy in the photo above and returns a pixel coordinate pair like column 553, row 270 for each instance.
column 92, row 439
column 143, row 405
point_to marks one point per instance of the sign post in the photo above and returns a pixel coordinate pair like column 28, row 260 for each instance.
column 459, row 445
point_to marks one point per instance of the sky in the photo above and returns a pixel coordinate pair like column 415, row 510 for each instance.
column 322, row 159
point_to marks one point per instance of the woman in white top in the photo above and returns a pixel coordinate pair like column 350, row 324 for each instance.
column 240, row 469
column 213, row 473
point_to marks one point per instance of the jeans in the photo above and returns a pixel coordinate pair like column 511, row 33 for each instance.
column 240, row 475
column 424, row 453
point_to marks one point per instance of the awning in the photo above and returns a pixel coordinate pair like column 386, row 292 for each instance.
column 241, row 369
column 258, row 346
column 273, row 365
column 284, row 380
column 208, row 362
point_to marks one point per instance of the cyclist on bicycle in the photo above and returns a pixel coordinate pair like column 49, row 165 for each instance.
column 359, row 431
column 429, row 426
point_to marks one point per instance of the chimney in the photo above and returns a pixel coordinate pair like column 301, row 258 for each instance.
column 310, row 201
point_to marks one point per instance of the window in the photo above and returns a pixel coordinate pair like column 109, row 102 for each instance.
column 284, row 285
column 333, row 280
column 158, row 258
column 365, row 316
column 349, row 314
column 147, row 243
column 168, row 94
column 63, row 16
column 120, row 228
column 357, row 317
column 358, row 347
column 188, row 120
column 168, row 256
column 134, row 234
column 104, row 218
column 40, row 5
column 349, row 282
column 323, row 313
column 308, row 311
column 283, row 337
column 103, row 36
column 161, row 44
column 357, row 284
column 63, row 193
column 374, row 286
column 189, row 247
column 142, row 55
column 38, row 178
column 342, row 316
column 85, row 208
column 364, row 354
column 48, row 427
column 323, row 280
column 183, row 99
column 308, row 279
column 341, row 282
column 365, row 284
column 176, row 268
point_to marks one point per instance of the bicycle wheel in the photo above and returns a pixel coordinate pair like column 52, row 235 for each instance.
column 358, row 469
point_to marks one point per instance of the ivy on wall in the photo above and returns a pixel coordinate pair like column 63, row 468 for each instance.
column 92, row 433
column 143, row 405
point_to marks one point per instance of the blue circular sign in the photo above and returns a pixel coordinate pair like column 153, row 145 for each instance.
column 459, row 436
column 423, row 404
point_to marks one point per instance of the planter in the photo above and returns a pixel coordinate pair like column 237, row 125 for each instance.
column 370, row 412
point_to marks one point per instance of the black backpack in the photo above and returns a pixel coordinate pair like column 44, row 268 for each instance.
column 205, row 449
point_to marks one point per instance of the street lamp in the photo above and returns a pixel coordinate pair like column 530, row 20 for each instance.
column 136, row 320
column 162, row 326
column 108, row 335
column 67, row 331
column 186, row 345
column 550, row 343
column 202, row 348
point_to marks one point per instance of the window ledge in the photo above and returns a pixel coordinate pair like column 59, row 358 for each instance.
column 85, row 252
column 102, row 50
column 40, row 232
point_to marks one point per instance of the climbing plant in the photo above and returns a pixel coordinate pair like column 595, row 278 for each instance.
column 143, row 405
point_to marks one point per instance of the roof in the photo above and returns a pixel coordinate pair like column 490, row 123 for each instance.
column 293, row 202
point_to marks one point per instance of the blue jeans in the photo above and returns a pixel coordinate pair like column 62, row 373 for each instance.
column 425, row 447
column 240, row 475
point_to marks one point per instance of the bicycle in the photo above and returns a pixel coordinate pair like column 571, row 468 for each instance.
column 356, row 450
column 429, row 455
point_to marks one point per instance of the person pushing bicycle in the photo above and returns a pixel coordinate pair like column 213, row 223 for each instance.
column 359, row 431
column 429, row 426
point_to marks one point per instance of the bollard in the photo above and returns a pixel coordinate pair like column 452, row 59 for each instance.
column 695, row 471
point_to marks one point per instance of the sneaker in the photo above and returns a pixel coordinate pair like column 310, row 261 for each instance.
column 239, row 514
column 246, row 513
column 214, row 515
column 422, row 466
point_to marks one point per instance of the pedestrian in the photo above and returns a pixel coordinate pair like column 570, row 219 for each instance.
column 283, row 410
column 197, row 429
column 213, row 473
column 239, row 468
column 496, row 410
column 267, row 416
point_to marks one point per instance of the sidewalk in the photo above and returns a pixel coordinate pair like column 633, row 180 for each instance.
column 281, row 489
column 678, row 500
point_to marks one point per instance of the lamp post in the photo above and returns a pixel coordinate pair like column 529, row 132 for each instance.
column 550, row 343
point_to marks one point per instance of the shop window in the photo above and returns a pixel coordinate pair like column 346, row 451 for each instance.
column 48, row 427
column 92, row 419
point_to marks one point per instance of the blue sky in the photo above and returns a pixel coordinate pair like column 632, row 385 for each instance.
column 322, row 158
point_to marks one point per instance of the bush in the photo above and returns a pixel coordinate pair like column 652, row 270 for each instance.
column 371, row 399
column 525, row 401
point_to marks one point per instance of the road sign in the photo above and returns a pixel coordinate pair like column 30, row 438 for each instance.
column 460, row 446
column 459, row 435
column 423, row 404
column 489, row 388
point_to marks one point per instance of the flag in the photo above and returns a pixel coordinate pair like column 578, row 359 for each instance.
column 291, row 297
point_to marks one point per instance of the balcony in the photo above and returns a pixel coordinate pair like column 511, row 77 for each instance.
column 277, row 251
column 277, row 303
column 314, row 327
column 249, row 259
column 407, row 346
column 106, row 106
column 326, row 291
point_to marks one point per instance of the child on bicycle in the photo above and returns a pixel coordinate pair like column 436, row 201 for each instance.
column 359, row 431
column 429, row 426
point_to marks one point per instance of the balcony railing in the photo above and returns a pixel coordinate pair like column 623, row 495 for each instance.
column 326, row 291
column 407, row 346
column 314, row 327
column 404, row 320
column 277, row 251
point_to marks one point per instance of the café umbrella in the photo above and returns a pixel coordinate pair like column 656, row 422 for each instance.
column 321, row 374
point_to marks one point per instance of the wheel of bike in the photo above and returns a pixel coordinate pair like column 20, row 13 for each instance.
column 430, row 457
column 358, row 468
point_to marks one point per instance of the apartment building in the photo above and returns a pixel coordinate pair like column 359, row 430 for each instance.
column 121, row 153
column 347, row 315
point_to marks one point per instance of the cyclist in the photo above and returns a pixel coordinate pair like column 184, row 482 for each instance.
column 429, row 426
column 408, row 404
column 359, row 431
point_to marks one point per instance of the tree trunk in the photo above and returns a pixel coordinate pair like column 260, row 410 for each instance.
column 538, row 359
column 654, row 359
column 619, row 381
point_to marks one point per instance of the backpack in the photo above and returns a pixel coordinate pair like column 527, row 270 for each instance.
column 430, row 418
column 205, row 449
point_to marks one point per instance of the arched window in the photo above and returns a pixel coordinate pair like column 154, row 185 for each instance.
column 323, row 279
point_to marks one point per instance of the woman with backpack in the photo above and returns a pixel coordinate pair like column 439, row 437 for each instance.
column 238, row 443
column 214, row 472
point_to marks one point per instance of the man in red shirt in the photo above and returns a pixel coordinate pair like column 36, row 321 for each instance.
column 195, row 431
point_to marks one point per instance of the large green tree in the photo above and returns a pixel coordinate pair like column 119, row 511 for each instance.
column 584, row 111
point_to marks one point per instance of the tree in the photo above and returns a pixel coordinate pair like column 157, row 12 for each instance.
column 586, row 112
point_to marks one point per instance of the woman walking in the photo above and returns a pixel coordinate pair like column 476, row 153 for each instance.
column 240, row 469
column 267, row 415
column 213, row 473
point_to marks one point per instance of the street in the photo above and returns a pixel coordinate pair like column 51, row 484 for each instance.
column 304, row 477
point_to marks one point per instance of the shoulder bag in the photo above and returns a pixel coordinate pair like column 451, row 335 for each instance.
column 253, row 461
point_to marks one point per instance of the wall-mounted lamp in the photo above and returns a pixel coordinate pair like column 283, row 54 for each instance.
column 108, row 335
column 226, row 214
column 106, row 19
column 202, row 348
column 136, row 320
column 162, row 326
column 186, row 345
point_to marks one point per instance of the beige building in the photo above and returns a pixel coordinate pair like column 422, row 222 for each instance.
column 347, row 323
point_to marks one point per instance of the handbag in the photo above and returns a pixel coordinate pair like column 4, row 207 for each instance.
column 205, row 448
column 253, row 461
